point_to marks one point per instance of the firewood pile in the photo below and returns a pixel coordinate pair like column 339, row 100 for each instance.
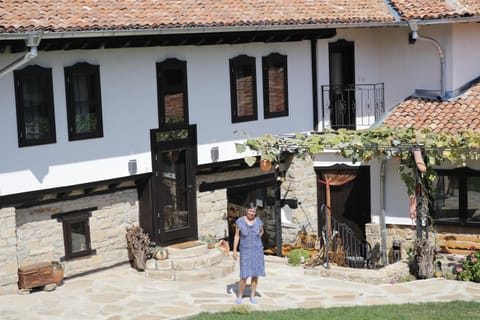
column 138, row 243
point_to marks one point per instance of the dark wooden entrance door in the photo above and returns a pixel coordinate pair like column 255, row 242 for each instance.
column 174, row 160
column 342, row 84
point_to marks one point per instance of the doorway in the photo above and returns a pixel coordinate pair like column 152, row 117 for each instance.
column 174, row 159
column 342, row 84
column 350, row 201
column 238, row 199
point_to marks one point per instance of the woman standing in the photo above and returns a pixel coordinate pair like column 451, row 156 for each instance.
column 248, row 233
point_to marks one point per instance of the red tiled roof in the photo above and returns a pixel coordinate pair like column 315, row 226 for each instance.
column 88, row 15
column 451, row 116
column 436, row 9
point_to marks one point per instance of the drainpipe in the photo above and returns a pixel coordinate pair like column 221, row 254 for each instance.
column 413, row 37
column 32, row 43
column 313, row 53
column 383, row 225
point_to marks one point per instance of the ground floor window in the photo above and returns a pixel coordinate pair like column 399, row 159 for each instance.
column 76, row 234
column 456, row 197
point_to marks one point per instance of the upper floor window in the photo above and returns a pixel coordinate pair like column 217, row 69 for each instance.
column 243, row 86
column 84, row 106
column 35, row 109
column 275, row 88
column 76, row 234
column 172, row 92
column 456, row 197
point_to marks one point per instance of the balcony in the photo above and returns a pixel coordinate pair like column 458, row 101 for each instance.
column 352, row 106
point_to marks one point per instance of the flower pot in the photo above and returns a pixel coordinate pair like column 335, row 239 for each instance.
column 57, row 272
column 265, row 165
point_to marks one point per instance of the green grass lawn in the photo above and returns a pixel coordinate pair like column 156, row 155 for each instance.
column 456, row 310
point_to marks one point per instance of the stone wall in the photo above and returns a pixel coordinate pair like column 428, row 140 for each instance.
column 31, row 235
column 8, row 252
column 404, row 234
column 212, row 205
column 299, row 184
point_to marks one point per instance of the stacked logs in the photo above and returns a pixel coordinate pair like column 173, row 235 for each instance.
column 138, row 243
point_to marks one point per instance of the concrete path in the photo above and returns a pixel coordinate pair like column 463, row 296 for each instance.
column 124, row 293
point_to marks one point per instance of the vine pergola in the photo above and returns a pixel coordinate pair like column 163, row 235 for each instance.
column 381, row 143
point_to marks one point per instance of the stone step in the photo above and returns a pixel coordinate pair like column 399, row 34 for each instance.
column 196, row 250
column 191, row 263
column 216, row 271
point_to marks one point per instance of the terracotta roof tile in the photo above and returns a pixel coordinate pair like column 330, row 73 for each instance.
column 454, row 115
column 85, row 15
column 436, row 9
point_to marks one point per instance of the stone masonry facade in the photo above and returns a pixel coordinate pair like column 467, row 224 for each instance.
column 31, row 235
column 299, row 184
column 405, row 234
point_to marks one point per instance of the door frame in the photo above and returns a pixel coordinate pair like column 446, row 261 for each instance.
column 183, row 137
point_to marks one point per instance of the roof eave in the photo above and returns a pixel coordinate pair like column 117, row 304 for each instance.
column 251, row 28
column 191, row 30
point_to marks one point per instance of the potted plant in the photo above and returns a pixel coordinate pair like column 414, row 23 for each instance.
column 210, row 240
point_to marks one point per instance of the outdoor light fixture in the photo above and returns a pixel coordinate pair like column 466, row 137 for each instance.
column 132, row 166
column 214, row 154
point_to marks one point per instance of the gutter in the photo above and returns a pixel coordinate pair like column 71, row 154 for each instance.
column 383, row 225
column 313, row 52
column 32, row 42
column 413, row 36
column 190, row 30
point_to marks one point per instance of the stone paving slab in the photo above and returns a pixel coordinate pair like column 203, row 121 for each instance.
column 122, row 293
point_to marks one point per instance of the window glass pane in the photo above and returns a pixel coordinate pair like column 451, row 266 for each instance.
column 276, row 88
column 79, row 236
column 245, row 90
column 446, row 199
column 173, row 181
column 174, row 96
column 37, row 124
column 84, row 106
column 473, row 198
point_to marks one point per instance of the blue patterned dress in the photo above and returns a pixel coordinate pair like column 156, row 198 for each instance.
column 252, row 262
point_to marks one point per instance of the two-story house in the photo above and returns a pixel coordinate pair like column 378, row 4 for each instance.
column 128, row 112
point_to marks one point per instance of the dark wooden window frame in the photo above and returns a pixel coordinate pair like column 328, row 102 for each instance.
column 67, row 220
column 162, row 88
column 93, row 74
column 268, row 61
column 44, row 76
column 462, row 174
column 236, row 63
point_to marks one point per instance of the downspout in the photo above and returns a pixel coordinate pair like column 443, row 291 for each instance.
column 383, row 225
column 313, row 53
column 413, row 36
column 32, row 43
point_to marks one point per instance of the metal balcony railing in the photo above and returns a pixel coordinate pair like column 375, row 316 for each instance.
column 345, row 248
column 352, row 106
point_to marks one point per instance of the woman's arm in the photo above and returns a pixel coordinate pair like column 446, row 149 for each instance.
column 236, row 239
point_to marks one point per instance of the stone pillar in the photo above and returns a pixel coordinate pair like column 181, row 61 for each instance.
column 8, row 252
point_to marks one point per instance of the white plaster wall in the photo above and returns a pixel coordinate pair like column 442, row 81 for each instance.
column 129, row 105
column 465, row 53
column 129, row 98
